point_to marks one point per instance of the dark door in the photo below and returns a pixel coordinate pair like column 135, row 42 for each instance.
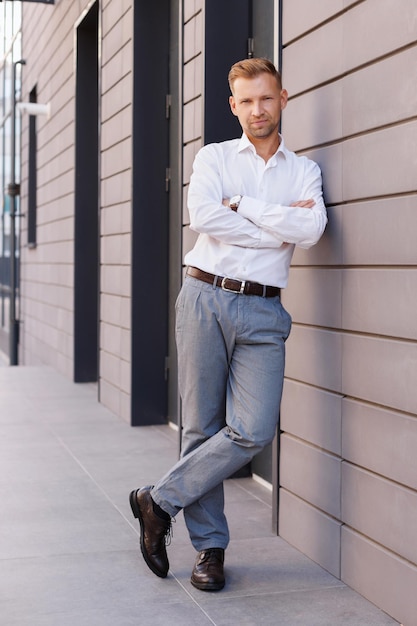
column 150, row 212
column 86, row 237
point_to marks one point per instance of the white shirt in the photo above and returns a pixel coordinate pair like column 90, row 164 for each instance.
column 257, row 242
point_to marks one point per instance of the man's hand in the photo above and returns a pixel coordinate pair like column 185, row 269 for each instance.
column 304, row 204
column 226, row 201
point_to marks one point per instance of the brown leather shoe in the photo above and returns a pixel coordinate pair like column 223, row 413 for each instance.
column 154, row 531
column 208, row 574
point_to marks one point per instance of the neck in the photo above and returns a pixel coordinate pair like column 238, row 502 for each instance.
column 266, row 146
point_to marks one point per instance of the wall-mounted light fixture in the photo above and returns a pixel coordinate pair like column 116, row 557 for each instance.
column 34, row 108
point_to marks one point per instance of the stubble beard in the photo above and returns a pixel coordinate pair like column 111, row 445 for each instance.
column 264, row 131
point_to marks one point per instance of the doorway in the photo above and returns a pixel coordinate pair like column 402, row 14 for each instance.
column 86, row 227
column 150, row 212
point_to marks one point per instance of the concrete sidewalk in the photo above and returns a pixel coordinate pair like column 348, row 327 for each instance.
column 69, row 549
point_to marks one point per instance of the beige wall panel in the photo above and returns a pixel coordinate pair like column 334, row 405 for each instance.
column 60, row 230
column 59, row 136
column 116, row 219
column 54, row 191
column 303, row 70
column 125, row 375
column 116, row 128
column 364, row 24
column 116, row 250
column 110, row 368
column 381, row 370
column 55, row 252
column 115, row 279
column 299, row 16
column 117, row 97
column 115, row 310
column 113, row 11
column 63, row 101
column 381, row 510
column 314, row 296
column 125, row 349
column 328, row 251
column 380, row 301
column 368, row 172
column 192, row 120
column 191, row 7
column 189, row 152
column 193, row 78
column 118, row 67
column 315, row 117
column 313, row 415
column 117, row 159
column 116, row 35
column 116, row 163
column 381, row 232
column 116, row 189
column 311, row 474
column 354, row 38
column 193, row 37
column 330, row 160
column 315, row 356
column 380, row 94
column 125, row 406
column 354, row 104
column 54, row 273
column 383, row 578
column 317, row 535
column 383, row 441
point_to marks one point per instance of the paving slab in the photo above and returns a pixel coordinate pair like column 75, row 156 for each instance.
column 69, row 545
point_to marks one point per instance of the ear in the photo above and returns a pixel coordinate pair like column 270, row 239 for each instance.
column 284, row 98
column 232, row 103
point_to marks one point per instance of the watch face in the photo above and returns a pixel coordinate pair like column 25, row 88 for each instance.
column 234, row 201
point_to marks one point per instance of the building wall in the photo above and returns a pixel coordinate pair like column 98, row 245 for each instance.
column 193, row 61
column 348, row 451
column 349, row 441
column 116, row 211
column 47, row 271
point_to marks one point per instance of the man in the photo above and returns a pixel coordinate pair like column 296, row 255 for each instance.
column 251, row 200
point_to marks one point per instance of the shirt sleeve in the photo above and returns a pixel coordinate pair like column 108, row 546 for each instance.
column 295, row 225
column 209, row 216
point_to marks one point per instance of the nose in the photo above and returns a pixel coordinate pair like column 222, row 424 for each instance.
column 257, row 108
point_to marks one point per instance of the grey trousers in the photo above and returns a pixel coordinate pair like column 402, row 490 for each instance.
column 231, row 358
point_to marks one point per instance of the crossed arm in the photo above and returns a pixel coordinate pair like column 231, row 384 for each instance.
column 257, row 223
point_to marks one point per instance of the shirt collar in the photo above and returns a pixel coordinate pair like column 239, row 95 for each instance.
column 246, row 144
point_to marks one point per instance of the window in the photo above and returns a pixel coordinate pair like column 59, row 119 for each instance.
column 32, row 176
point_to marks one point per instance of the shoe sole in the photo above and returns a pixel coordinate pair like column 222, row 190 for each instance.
column 134, row 505
column 207, row 586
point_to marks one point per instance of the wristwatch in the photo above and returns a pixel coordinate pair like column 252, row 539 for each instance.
column 234, row 202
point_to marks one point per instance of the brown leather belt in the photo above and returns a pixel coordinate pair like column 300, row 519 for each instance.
column 235, row 286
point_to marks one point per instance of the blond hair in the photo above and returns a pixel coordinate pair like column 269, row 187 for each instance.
column 250, row 68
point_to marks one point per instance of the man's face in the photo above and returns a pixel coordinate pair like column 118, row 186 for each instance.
column 257, row 103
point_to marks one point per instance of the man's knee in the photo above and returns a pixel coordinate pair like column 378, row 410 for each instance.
column 255, row 441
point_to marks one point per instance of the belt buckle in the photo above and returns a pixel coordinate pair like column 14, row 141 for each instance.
column 242, row 286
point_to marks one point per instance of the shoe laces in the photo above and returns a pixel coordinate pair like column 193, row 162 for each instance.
column 211, row 555
column 169, row 533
